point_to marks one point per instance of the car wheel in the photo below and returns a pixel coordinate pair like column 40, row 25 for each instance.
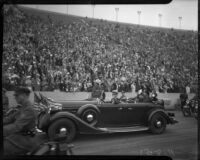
column 90, row 116
column 62, row 128
column 157, row 124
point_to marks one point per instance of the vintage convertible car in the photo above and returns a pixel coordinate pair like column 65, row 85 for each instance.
column 93, row 116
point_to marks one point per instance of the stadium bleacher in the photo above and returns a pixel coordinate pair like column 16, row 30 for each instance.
column 47, row 51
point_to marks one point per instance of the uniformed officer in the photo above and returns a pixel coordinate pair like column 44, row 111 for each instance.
column 5, row 101
column 114, row 99
column 18, row 128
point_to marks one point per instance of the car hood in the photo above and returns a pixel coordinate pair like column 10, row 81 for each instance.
column 76, row 103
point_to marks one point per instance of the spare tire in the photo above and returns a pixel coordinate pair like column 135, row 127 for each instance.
column 90, row 115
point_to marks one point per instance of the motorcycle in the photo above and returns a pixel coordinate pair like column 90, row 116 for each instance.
column 194, row 107
column 44, row 106
column 186, row 109
column 56, row 147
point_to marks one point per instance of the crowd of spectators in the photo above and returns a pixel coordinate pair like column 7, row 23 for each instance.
column 47, row 55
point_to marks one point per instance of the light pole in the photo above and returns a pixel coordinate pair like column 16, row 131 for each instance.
column 139, row 13
column 116, row 10
column 93, row 6
column 67, row 9
column 180, row 19
column 160, row 19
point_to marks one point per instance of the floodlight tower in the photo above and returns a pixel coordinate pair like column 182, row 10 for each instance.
column 180, row 19
column 67, row 9
column 139, row 13
column 160, row 19
column 117, row 10
column 93, row 6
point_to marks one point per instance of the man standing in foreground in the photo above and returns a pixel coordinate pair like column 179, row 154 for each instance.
column 5, row 101
column 19, row 127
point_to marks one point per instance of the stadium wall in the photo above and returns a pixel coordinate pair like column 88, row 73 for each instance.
column 171, row 99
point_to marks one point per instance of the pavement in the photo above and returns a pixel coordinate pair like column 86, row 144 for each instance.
column 179, row 141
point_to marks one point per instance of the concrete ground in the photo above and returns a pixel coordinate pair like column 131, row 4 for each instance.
column 179, row 141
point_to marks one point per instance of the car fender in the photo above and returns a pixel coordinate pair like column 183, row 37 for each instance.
column 43, row 120
column 160, row 111
column 81, row 126
column 82, row 108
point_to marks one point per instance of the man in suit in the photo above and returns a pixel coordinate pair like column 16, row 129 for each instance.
column 114, row 99
column 19, row 127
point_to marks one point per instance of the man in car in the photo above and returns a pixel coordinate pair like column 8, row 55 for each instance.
column 19, row 127
column 114, row 99
column 123, row 98
column 96, row 90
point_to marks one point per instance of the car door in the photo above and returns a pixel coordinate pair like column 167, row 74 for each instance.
column 134, row 114
column 111, row 114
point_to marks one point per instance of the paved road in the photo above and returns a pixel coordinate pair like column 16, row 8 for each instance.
column 179, row 141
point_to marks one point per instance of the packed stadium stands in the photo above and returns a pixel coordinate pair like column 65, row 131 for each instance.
column 47, row 54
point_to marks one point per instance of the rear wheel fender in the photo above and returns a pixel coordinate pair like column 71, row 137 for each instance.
column 82, row 108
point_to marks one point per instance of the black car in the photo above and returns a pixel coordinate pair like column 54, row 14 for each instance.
column 95, row 116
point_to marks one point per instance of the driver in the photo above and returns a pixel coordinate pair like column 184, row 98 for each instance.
column 19, row 126
column 114, row 99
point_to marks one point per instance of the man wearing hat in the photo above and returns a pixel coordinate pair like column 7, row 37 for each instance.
column 123, row 97
column 114, row 99
column 5, row 101
column 18, row 127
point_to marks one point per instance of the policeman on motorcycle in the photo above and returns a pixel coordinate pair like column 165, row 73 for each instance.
column 19, row 127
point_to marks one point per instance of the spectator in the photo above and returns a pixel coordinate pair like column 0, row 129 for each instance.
column 164, row 57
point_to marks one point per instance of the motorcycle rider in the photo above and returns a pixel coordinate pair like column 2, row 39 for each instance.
column 5, row 101
column 18, row 127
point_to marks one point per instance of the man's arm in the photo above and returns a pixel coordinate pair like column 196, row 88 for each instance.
column 9, row 119
column 23, row 120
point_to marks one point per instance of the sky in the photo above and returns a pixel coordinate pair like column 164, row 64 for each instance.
column 187, row 9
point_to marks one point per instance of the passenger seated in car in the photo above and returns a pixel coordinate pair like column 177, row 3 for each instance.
column 114, row 99
column 154, row 96
column 123, row 98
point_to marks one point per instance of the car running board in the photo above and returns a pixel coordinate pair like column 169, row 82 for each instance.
column 124, row 129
